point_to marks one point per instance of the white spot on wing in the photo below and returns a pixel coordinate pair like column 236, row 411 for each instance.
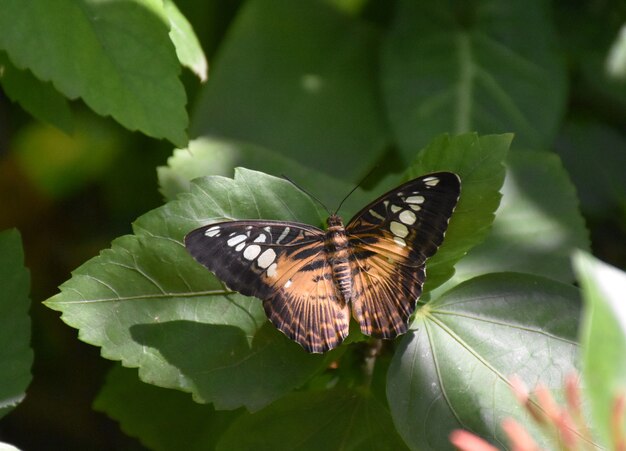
column 266, row 258
column 415, row 200
column 399, row 241
column 271, row 271
column 213, row 231
column 236, row 240
column 431, row 181
column 252, row 252
column 408, row 217
column 260, row 239
column 398, row 229
column 395, row 209
column 376, row 215
column 283, row 235
column 415, row 207
column 288, row 284
column 268, row 229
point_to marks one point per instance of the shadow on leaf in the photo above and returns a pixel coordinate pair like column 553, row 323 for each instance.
column 221, row 365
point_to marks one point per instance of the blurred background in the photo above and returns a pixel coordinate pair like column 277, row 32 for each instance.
column 70, row 195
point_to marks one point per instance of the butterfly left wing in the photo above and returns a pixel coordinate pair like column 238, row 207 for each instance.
column 282, row 263
column 391, row 238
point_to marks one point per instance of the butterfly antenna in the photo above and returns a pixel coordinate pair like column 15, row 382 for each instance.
column 307, row 193
column 356, row 186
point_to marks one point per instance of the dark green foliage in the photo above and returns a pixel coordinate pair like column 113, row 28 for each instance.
column 16, row 356
column 322, row 91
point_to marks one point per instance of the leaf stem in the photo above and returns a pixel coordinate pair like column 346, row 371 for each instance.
column 369, row 362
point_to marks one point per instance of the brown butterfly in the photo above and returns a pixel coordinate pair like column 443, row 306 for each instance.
column 309, row 279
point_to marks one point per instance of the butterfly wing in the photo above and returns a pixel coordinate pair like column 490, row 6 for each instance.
column 391, row 238
column 284, row 264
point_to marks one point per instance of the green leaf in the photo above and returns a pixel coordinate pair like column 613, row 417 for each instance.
column 452, row 371
column 118, row 58
column 39, row 99
column 299, row 78
column 603, row 339
column 160, row 419
column 147, row 303
column 16, row 356
column 334, row 419
column 479, row 163
column 537, row 225
column 464, row 66
column 188, row 47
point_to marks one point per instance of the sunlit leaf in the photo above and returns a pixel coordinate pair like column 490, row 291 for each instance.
column 118, row 58
column 208, row 156
column 603, row 339
column 186, row 42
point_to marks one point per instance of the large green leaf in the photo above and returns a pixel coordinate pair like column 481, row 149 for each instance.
column 161, row 419
column 298, row 78
column 486, row 65
column 116, row 56
column 537, row 225
column 147, row 303
column 451, row 372
column 16, row 356
column 338, row 419
column 603, row 339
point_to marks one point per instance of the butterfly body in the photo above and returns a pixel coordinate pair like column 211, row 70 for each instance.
column 338, row 256
column 312, row 281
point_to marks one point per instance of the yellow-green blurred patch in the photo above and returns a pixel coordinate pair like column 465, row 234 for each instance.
column 59, row 164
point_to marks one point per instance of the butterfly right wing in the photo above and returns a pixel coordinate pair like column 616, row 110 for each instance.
column 285, row 265
column 391, row 239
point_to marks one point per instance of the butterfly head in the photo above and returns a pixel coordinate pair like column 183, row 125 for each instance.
column 334, row 221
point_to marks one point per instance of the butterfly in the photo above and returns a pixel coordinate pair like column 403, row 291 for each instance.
column 312, row 281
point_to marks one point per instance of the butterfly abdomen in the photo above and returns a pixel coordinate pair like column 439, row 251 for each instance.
column 337, row 246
